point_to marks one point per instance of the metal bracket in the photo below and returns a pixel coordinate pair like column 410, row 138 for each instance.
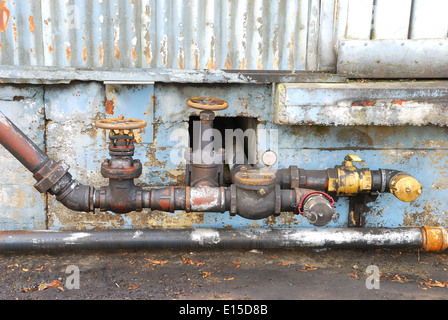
column 358, row 208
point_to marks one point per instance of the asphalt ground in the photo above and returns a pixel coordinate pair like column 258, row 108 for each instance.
column 225, row 274
column 219, row 278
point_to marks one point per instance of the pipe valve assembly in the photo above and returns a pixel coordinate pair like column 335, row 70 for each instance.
column 253, row 193
column 250, row 192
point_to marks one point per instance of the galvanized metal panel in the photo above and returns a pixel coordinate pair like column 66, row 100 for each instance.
column 162, row 34
column 393, row 58
column 359, row 19
column 376, row 103
column 428, row 20
column 391, row 19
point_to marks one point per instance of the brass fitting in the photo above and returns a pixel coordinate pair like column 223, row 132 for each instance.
column 434, row 238
column 405, row 187
column 348, row 180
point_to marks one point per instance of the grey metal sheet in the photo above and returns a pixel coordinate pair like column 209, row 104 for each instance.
column 393, row 58
column 49, row 75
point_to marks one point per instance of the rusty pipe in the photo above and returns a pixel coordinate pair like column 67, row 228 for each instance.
column 20, row 146
column 425, row 238
column 123, row 196
column 51, row 176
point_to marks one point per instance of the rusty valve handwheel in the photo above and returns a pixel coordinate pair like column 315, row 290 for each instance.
column 120, row 123
column 207, row 103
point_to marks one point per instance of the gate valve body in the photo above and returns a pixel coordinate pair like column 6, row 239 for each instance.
column 205, row 169
column 121, row 169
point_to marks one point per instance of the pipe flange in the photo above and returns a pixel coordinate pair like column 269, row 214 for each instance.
column 49, row 175
column 108, row 170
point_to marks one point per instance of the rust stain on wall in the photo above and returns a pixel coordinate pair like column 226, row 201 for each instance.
column 101, row 54
column 4, row 16
column 84, row 53
column 133, row 54
column 68, row 53
column 117, row 52
column 31, row 20
column 110, row 106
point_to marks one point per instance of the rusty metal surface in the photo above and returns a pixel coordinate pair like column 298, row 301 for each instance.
column 166, row 37
column 193, row 34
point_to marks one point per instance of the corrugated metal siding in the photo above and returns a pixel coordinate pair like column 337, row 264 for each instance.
column 205, row 34
column 397, row 19
column 171, row 34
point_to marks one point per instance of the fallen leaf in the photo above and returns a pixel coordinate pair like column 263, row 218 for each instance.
column 273, row 257
column 436, row 283
column 283, row 264
column 132, row 287
column 191, row 261
column 307, row 268
column 28, row 280
column 38, row 269
column 237, row 264
column 156, row 262
column 355, row 275
column 29, row 289
column 227, row 279
column 399, row 278
column 52, row 284
column 13, row 265
column 25, row 269
column 205, row 274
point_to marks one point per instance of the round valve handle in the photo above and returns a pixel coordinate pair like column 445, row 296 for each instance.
column 120, row 123
column 207, row 103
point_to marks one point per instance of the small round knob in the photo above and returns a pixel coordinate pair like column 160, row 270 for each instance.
column 120, row 123
column 207, row 103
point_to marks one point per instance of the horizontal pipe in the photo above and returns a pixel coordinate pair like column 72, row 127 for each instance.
column 428, row 238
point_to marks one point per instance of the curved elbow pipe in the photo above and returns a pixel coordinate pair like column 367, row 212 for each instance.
column 77, row 197
column 401, row 184
column 51, row 176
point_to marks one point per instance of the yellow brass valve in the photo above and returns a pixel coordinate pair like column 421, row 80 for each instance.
column 348, row 180
column 405, row 187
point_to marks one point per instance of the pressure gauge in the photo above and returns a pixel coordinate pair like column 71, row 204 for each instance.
column 269, row 158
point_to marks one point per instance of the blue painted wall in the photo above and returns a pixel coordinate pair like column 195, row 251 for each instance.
column 60, row 118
